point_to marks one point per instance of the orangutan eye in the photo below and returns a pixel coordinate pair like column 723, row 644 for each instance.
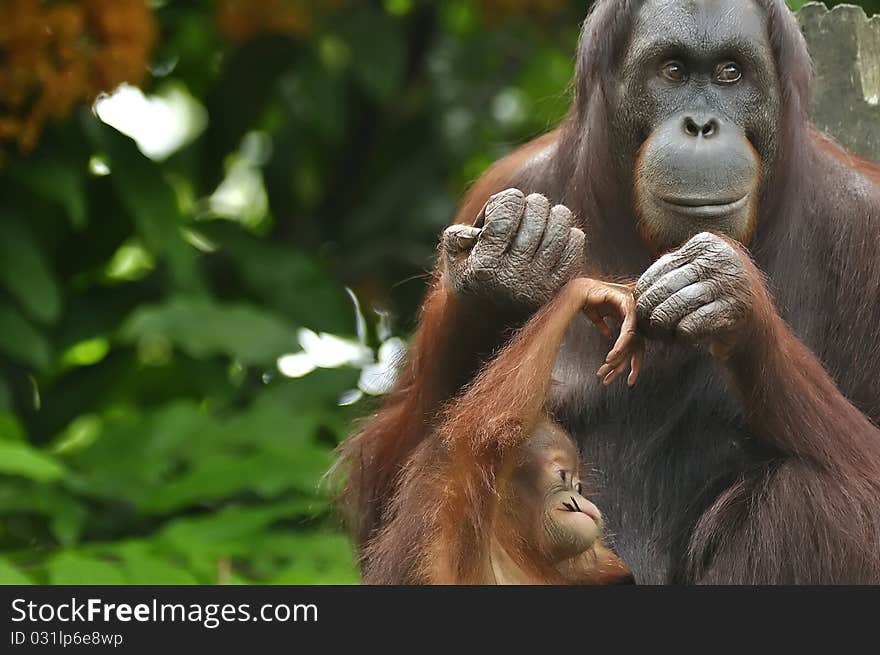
column 579, row 488
column 562, row 475
column 728, row 73
column 673, row 71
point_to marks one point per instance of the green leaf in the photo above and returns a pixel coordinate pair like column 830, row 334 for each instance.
column 25, row 271
column 22, row 459
column 459, row 17
column 69, row 568
column 229, row 532
column 130, row 262
column 144, row 567
column 10, row 575
column 293, row 282
column 378, row 47
column 86, row 353
column 398, row 7
column 147, row 570
column 5, row 396
column 545, row 81
column 150, row 201
column 79, row 434
column 22, row 341
column 319, row 558
column 204, row 328
column 67, row 525
column 223, row 475
column 59, row 180
column 11, row 429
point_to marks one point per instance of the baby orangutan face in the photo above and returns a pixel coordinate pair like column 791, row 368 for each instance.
column 548, row 488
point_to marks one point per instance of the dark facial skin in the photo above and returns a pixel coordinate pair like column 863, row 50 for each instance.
column 547, row 486
column 695, row 118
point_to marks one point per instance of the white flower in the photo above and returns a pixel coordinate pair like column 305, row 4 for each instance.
column 378, row 371
column 323, row 351
column 377, row 379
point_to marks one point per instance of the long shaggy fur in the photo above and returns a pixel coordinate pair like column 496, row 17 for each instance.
column 768, row 473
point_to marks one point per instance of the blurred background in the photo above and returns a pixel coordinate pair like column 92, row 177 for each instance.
column 216, row 224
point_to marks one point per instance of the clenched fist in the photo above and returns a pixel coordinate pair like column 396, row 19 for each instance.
column 518, row 253
column 704, row 292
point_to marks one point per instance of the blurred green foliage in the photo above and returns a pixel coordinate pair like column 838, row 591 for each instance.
column 146, row 433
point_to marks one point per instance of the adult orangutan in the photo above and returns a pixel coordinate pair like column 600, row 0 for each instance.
column 496, row 496
column 749, row 452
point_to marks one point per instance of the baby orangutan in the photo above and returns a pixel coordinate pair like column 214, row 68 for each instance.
column 494, row 496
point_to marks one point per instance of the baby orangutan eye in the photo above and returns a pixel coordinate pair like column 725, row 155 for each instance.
column 573, row 506
column 579, row 488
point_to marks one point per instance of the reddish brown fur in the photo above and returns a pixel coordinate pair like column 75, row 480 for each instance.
column 444, row 355
column 804, row 505
column 830, row 459
column 454, row 495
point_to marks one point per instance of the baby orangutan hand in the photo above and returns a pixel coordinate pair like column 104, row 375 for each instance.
column 604, row 300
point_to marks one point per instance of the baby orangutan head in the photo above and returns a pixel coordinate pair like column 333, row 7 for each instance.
column 546, row 496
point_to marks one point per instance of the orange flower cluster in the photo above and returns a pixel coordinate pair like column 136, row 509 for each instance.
column 243, row 19
column 54, row 56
